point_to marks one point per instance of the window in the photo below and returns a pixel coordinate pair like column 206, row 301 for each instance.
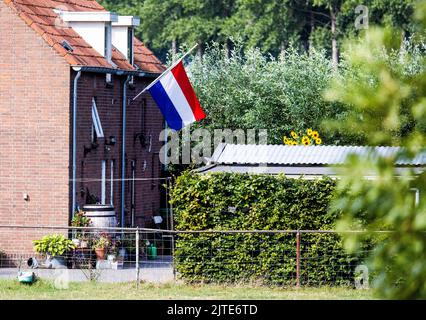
column 108, row 42
column 96, row 121
column 143, row 116
column 132, row 192
column 94, row 136
column 103, row 181
column 130, row 55
column 112, row 183
column 153, row 172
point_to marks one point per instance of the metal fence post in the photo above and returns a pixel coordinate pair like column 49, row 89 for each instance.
column 137, row 257
column 173, row 256
column 298, row 258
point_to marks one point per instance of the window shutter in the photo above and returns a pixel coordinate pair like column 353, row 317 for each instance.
column 96, row 120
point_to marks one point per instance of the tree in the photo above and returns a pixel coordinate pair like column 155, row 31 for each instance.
column 251, row 90
column 380, row 107
column 167, row 24
column 271, row 25
column 333, row 8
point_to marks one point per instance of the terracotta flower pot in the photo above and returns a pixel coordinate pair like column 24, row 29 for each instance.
column 100, row 253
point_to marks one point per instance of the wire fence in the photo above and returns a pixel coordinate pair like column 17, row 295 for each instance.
column 266, row 257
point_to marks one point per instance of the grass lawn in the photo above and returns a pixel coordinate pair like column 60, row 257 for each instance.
column 10, row 289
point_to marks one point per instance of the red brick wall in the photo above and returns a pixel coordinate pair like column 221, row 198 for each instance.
column 142, row 118
column 34, row 130
column 35, row 137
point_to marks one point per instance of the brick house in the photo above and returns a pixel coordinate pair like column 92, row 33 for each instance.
column 68, row 72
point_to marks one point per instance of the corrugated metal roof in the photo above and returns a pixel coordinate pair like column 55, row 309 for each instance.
column 296, row 171
column 303, row 155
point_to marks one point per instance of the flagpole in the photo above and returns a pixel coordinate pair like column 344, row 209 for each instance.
column 167, row 70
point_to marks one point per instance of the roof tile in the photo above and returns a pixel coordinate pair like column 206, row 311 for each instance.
column 60, row 49
column 41, row 17
column 28, row 20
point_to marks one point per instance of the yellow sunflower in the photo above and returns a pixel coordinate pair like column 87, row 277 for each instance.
column 294, row 143
column 318, row 141
column 309, row 131
column 306, row 141
column 315, row 134
column 294, row 135
column 285, row 140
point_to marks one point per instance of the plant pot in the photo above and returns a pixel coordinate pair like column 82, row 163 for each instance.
column 100, row 253
column 55, row 262
column 84, row 244
column 152, row 252
column 122, row 253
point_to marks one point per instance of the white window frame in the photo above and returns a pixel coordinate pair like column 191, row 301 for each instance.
column 112, row 182
column 103, row 182
column 96, row 120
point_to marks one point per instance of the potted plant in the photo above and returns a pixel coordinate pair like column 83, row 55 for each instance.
column 53, row 248
column 101, row 245
column 80, row 220
column 113, row 250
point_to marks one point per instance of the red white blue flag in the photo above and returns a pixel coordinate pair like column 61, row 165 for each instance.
column 176, row 98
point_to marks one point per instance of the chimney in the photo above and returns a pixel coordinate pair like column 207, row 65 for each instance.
column 95, row 27
column 122, row 35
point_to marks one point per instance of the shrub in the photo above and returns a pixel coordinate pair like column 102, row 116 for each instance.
column 80, row 220
column 224, row 201
column 53, row 245
column 251, row 90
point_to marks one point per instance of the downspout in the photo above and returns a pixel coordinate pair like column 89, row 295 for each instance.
column 74, row 139
column 123, row 150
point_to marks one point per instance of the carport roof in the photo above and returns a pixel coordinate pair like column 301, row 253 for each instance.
column 304, row 155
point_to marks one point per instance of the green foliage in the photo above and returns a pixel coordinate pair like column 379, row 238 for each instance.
column 381, row 108
column 53, row 245
column 270, row 25
column 264, row 25
column 253, row 91
column 102, row 241
column 80, row 220
column 203, row 202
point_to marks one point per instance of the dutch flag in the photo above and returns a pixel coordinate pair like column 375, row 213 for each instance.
column 176, row 98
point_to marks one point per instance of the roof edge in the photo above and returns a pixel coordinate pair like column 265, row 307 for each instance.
column 119, row 72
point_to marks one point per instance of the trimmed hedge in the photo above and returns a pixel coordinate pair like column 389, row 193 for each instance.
column 224, row 201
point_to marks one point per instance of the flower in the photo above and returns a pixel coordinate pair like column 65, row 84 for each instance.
column 318, row 141
column 309, row 131
column 306, row 141
column 315, row 134
column 294, row 135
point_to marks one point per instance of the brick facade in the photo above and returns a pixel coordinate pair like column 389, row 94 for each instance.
column 35, row 136
column 34, row 130
column 144, row 120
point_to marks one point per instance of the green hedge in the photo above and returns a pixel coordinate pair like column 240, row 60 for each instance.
column 223, row 201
